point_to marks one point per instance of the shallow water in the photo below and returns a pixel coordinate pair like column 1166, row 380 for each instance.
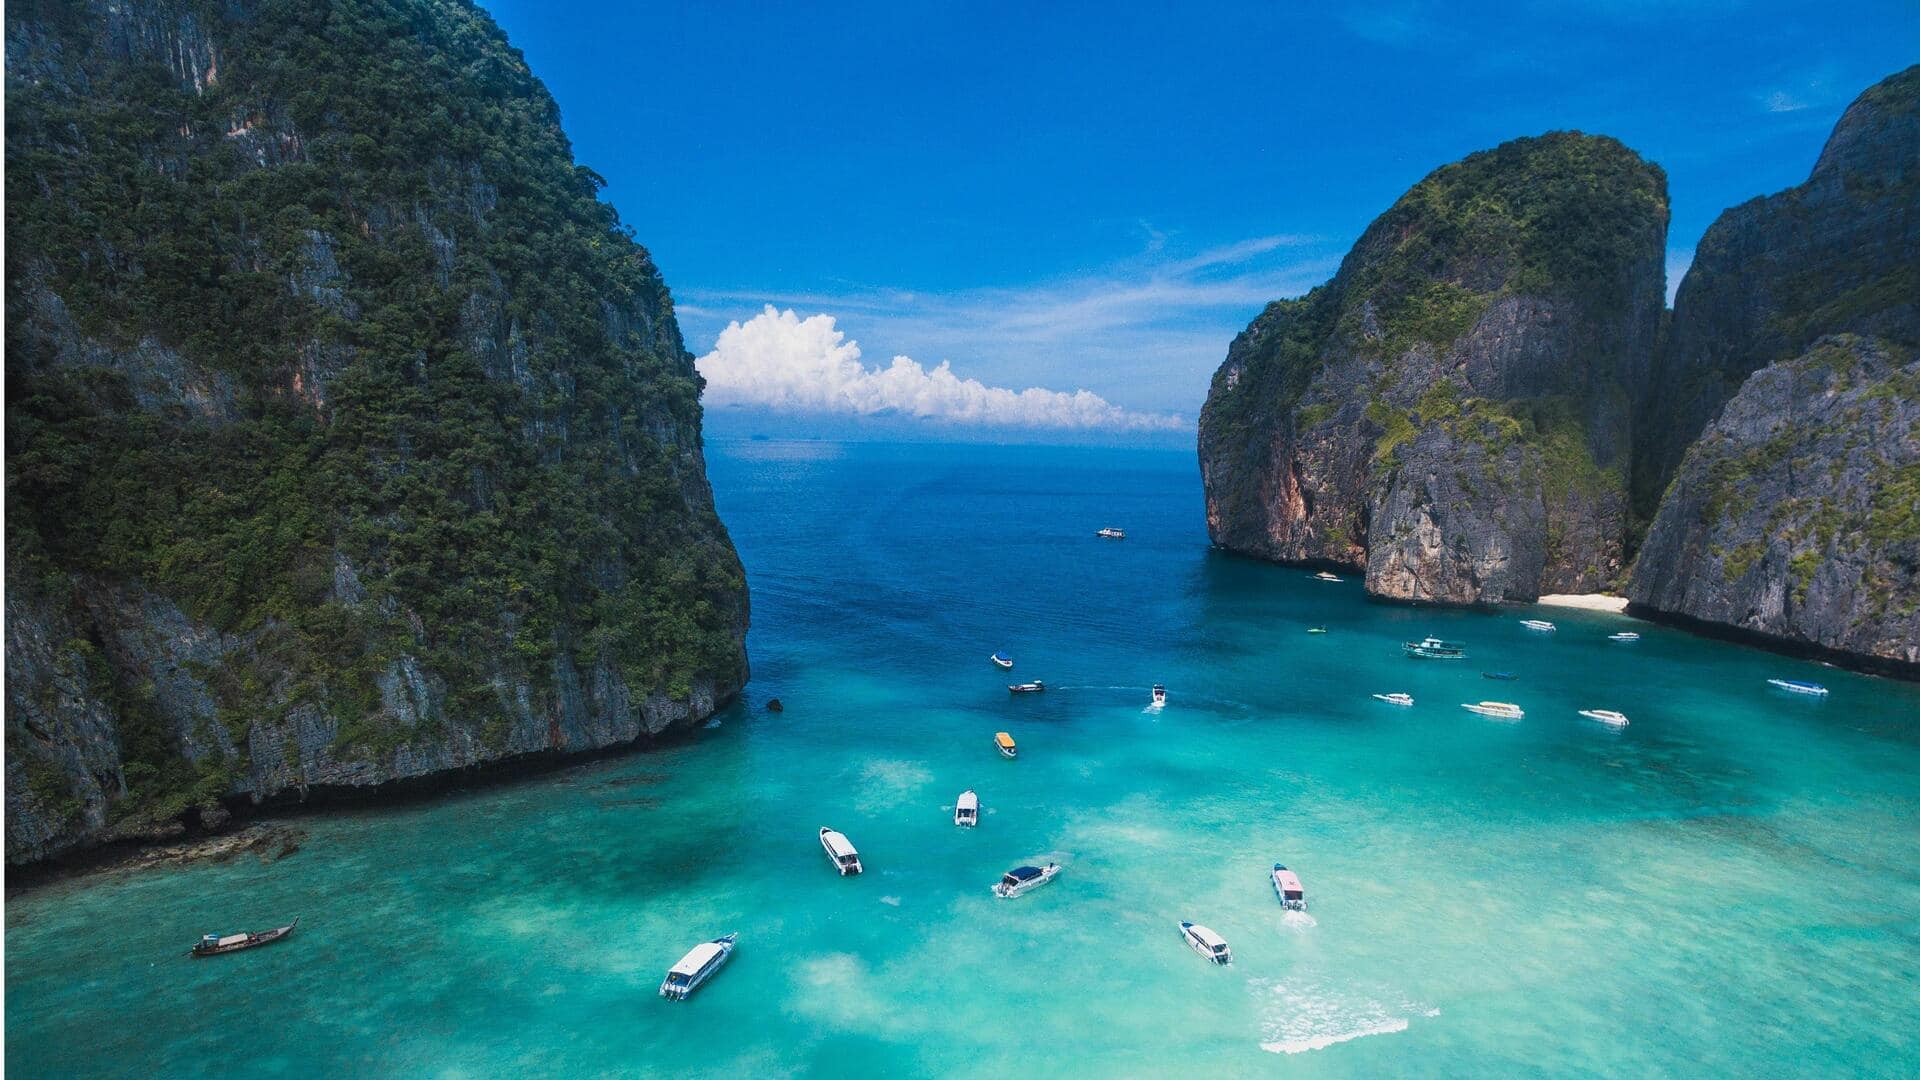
column 1728, row 885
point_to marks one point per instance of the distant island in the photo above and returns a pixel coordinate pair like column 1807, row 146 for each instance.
column 1489, row 402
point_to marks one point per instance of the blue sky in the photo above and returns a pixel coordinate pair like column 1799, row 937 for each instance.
column 1099, row 197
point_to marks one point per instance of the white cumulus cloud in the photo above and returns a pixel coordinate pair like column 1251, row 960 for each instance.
column 780, row 361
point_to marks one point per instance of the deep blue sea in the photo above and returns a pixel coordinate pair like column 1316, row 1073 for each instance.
column 1730, row 885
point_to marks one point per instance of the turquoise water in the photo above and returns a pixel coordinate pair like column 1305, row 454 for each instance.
column 1729, row 885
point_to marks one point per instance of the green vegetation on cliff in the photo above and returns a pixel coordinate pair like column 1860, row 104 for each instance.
column 332, row 345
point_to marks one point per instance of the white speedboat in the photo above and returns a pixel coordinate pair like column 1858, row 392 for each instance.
column 1111, row 533
column 1432, row 648
column 1624, row 637
column 1395, row 699
column 966, row 809
column 1500, row 710
column 1540, row 625
column 1324, row 576
column 840, row 852
column 1159, row 695
column 1022, row 879
column 1605, row 716
column 1286, row 886
column 1796, row 686
column 696, row 967
column 1206, row 943
column 1034, row 687
column 1002, row 660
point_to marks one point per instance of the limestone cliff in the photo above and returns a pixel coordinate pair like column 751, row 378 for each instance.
column 1452, row 412
column 350, row 437
column 1796, row 514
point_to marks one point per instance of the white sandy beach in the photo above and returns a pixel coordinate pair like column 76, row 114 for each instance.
column 1585, row 601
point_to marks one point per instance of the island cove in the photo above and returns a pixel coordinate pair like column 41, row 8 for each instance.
column 1480, row 888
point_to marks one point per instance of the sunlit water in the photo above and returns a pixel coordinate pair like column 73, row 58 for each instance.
column 1728, row 885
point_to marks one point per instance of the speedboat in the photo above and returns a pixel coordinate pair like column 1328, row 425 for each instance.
column 1004, row 743
column 1798, row 687
column 966, row 809
column 840, row 852
column 1433, row 648
column 1324, row 576
column 1605, row 716
column 1206, row 943
column 1542, row 625
column 1501, row 676
column 1624, row 637
column 1002, row 659
column 1111, row 533
column 1395, row 698
column 1286, row 886
column 696, row 967
column 1316, row 629
column 1500, row 710
column 1159, row 695
column 1022, row 879
column 1033, row 687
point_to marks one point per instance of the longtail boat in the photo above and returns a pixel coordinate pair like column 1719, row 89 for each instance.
column 214, row 944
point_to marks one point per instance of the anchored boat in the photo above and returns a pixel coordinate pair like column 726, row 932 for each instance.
column 1022, row 879
column 1605, row 716
column 696, row 967
column 1796, row 686
column 966, row 810
column 1111, row 533
column 1432, row 648
column 1206, row 943
column 1540, row 625
column 1624, row 637
column 1004, row 743
column 215, row 944
column 1395, row 698
column 840, row 852
column 1003, row 660
column 1499, row 710
column 1324, row 576
column 1034, row 687
column 1286, row 886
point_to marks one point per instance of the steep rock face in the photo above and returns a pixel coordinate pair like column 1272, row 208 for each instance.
column 1796, row 515
column 350, row 437
column 1452, row 412
column 1838, row 254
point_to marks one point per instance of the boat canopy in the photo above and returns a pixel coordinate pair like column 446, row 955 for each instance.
column 1001, row 655
column 1003, row 739
column 698, row 957
column 1207, row 937
column 838, row 844
column 232, row 939
column 968, row 801
column 1288, row 880
column 1023, row 873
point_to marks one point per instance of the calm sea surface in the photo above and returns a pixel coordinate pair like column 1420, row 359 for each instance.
column 1730, row 885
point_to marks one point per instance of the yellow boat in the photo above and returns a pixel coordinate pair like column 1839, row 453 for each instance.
column 1004, row 742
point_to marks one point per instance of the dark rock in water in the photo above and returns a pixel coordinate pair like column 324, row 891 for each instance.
column 773, row 705
column 1795, row 515
column 1838, row 254
column 214, row 818
column 352, row 439
column 1452, row 411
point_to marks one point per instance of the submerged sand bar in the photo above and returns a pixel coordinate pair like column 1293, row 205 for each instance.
column 1585, row 601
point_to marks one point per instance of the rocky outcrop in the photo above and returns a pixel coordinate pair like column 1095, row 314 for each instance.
column 1796, row 515
column 1838, row 254
column 1452, row 412
column 351, row 439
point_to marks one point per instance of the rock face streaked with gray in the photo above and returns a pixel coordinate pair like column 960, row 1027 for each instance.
column 119, row 683
column 1452, row 412
column 1796, row 514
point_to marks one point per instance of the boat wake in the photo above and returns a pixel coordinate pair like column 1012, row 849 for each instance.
column 1308, row 1015
column 1299, row 920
